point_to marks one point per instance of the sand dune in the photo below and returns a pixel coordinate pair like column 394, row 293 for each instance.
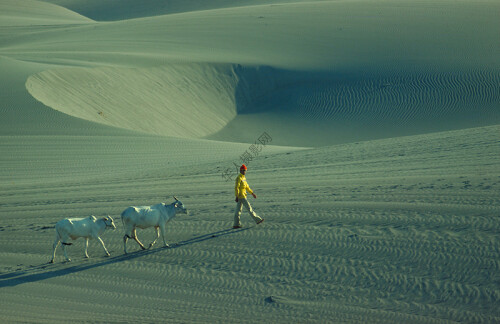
column 379, row 183
column 318, row 35
column 199, row 101
column 402, row 89
column 182, row 100
column 127, row 9
column 32, row 12
column 399, row 230
column 317, row 109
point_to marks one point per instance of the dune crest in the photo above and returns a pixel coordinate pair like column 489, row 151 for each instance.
column 32, row 12
column 128, row 9
column 214, row 101
column 298, row 36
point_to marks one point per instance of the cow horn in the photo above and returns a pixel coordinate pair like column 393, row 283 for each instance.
column 176, row 198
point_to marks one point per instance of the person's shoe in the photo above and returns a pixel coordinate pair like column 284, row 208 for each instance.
column 236, row 226
column 260, row 221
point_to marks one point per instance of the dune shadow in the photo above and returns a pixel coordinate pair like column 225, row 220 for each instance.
column 49, row 270
column 314, row 108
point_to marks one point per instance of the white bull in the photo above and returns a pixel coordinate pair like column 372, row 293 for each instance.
column 74, row 228
column 156, row 216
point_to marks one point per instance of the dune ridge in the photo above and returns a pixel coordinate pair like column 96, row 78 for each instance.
column 128, row 9
column 210, row 73
column 198, row 101
column 284, row 37
column 32, row 12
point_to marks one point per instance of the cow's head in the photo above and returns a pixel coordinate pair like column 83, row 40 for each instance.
column 179, row 206
column 109, row 222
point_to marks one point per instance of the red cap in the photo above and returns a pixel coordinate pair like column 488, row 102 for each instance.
column 243, row 167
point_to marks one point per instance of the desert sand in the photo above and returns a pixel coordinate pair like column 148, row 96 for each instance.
column 371, row 130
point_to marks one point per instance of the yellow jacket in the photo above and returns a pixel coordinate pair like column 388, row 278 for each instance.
column 241, row 187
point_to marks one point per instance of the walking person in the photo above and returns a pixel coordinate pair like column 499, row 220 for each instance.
column 240, row 190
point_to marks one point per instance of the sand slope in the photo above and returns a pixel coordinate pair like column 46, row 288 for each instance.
column 182, row 100
column 214, row 101
column 384, row 228
column 259, row 63
column 316, row 109
column 358, row 34
column 126, row 9
column 32, row 12
column 399, row 230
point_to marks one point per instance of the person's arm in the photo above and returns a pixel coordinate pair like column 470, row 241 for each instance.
column 237, row 188
column 251, row 191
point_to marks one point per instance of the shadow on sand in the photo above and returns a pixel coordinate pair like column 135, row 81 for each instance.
column 49, row 270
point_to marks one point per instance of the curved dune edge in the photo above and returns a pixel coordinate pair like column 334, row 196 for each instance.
column 366, row 66
column 128, row 9
column 234, row 103
column 318, row 109
column 318, row 35
column 184, row 100
column 31, row 12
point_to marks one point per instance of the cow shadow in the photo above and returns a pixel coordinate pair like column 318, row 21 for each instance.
column 207, row 237
column 54, row 270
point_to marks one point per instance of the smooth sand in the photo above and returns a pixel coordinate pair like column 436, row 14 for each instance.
column 379, row 181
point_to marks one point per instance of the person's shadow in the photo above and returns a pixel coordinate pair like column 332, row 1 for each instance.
column 52, row 270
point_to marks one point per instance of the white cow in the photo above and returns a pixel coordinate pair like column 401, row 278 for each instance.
column 74, row 228
column 143, row 217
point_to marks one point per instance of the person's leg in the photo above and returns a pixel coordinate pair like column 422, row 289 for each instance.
column 237, row 213
column 247, row 205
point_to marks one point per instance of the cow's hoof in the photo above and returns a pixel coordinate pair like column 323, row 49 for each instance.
column 167, row 246
column 108, row 255
column 51, row 261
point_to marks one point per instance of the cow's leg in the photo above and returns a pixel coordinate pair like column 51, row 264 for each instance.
column 125, row 239
column 163, row 236
column 157, row 236
column 103, row 246
column 86, row 247
column 128, row 233
column 64, row 237
column 56, row 244
column 64, row 250
column 134, row 236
